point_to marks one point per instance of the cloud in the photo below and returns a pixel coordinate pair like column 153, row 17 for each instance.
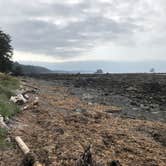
column 74, row 28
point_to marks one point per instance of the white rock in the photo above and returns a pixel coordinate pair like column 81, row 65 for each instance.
column 26, row 96
column 2, row 123
column 18, row 99
column 131, row 89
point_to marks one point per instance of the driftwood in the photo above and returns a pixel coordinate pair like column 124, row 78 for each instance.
column 29, row 91
column 32, row 105
column 22, row 145
column 30, row 158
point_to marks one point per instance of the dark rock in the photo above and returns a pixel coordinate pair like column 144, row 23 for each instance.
column 59, row 130
column 108, row 139
column 134, row 103
column 114, row 163
column 160, row 137
column 29, row 160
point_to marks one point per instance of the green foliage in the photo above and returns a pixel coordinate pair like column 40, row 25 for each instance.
column 9, row 82
column 6, row 52
column 3, row 142
column 8, row 109
column 8, row 85
column 17, row 70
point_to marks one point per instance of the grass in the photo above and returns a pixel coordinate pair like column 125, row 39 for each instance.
column 3, row 143
column 8, row 109
column 8, row 85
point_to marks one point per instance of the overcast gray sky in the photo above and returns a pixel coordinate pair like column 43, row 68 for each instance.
column 60, row 32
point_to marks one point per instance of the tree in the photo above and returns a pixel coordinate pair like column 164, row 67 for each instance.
column 99, row 71
column 152, row 70
column 17, row 70
column 6, row 52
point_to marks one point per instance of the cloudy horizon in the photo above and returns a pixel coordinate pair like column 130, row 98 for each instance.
column 56, row 33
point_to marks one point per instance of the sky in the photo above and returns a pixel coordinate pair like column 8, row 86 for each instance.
column 115, row 35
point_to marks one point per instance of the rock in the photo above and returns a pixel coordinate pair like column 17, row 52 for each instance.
column 134, row 103
column 49, row 149
column 87, row 96
column 144, row 107
column 80, row 110
column 155, row 112
column 113, row 111
column 8, row 139
column 7, row 119
column 36, row 101
column 90, row 103
column 154, row 105
column 32, row 105
column 114, row 163
column 152, row 87
column 131, row 89
column 29, row 159
column 59, row 130
column 108, row 140
column 25, row 107
column 26, row 96
column 2, row 123
column 135, row 109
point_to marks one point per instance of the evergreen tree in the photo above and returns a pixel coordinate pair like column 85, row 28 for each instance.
column 6, row 52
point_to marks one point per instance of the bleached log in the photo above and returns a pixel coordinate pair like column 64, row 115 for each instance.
column 22, row 145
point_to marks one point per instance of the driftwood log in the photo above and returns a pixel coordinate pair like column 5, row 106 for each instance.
column 22, row 145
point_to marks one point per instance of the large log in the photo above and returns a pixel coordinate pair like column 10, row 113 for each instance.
column 22, row 145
